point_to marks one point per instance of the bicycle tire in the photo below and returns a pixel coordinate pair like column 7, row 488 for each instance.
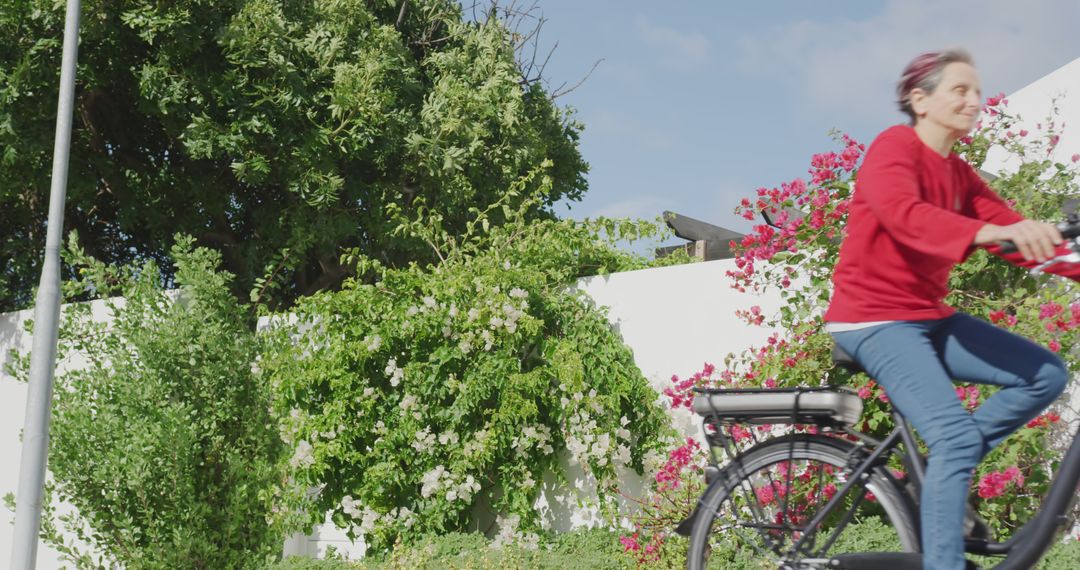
column 890, row 499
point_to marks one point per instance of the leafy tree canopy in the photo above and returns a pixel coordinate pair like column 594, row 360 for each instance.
column 276, row 132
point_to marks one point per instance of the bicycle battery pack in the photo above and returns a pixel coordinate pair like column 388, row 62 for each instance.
column 825, row 406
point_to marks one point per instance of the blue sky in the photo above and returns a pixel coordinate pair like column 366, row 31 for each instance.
column 697, row 103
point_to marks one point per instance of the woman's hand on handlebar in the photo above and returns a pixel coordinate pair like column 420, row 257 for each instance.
column 1034, row 240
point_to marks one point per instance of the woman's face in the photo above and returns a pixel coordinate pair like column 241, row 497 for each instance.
column 955, row 104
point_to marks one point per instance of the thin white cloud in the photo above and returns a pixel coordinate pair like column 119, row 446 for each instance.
column 624, row 72
column 851, row 65
column 623, row 126
column 676, row 49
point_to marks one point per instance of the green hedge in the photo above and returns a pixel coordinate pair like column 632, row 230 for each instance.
column 585, row 550
column 591, row 550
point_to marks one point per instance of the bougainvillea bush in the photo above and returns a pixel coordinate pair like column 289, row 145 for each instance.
column 796, row 254
column 420, row 401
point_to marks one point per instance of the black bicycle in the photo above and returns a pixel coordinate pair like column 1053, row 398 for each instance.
column 789, row 501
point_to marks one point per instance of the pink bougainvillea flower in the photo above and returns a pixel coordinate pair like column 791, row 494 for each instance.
column 764, row 495
column 1044, row 420
column 990, row 487
column 994, row 484
column 739, row 433
column 969, row 395
column 668, row 477
column 630, row 543
column 1049, row 310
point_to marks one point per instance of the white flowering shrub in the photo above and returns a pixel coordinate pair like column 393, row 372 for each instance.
column 438, row 388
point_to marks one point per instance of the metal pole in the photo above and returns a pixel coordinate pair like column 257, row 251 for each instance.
column 46, row 318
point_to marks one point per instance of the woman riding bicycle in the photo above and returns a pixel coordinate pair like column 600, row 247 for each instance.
column 918, row 210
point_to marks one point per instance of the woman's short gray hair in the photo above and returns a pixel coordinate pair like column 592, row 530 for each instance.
column 925, row 72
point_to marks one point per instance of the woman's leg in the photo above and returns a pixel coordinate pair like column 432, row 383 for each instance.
column 902, row 358
column 1031, row 377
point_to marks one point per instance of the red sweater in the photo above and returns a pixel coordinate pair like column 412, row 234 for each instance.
column 913, row 218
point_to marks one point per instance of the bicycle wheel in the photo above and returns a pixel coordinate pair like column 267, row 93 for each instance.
column 761, row 504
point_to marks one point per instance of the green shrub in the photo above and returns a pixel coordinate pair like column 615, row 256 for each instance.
column 438, row 390
column 303, row 563
column 1063, row 556
column 164, row 441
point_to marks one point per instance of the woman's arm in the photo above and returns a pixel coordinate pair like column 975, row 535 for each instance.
column 1036, row 241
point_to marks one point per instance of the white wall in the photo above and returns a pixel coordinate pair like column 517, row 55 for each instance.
column 674, row 318
column 12, row 416
column 678, row 318
column 1033, row 104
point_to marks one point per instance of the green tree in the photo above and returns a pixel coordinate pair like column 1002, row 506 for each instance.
column 275, row 132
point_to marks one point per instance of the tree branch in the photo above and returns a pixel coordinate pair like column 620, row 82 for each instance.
column 560, row 91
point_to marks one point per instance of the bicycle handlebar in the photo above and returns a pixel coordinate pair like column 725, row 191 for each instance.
column 1070, row 230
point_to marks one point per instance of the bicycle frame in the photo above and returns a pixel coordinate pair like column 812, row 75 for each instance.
column 862, row 467
column 1022, row 550
column 911, row 458
column 1027, row 545
column 1030, row 542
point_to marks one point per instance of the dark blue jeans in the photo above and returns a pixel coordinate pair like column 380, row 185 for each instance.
column 916, row 363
